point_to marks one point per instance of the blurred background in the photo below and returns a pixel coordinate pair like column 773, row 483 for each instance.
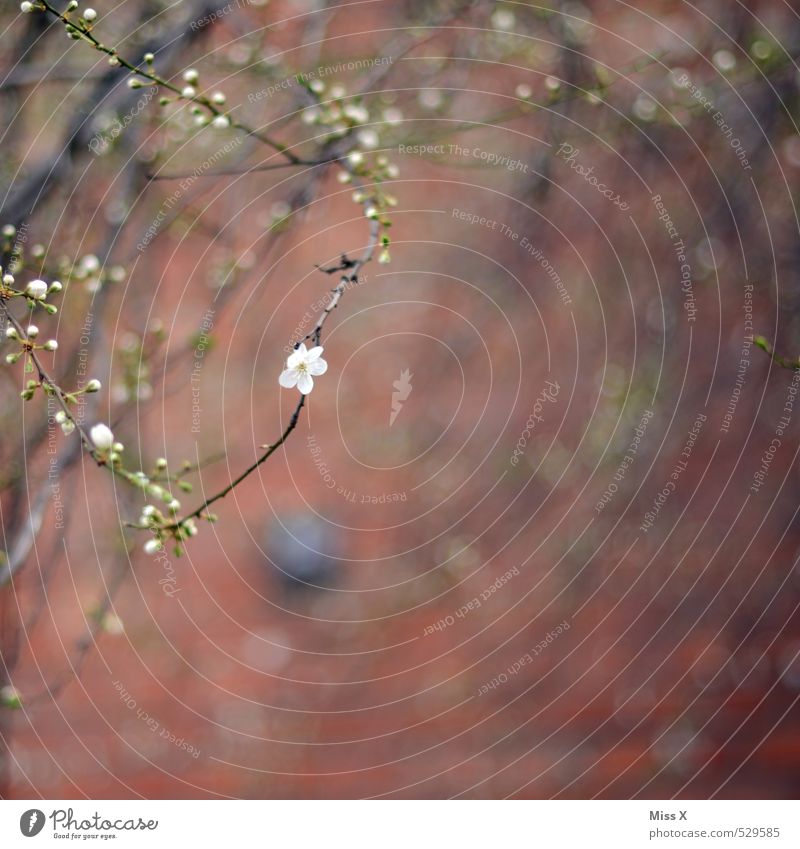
column 535, row 534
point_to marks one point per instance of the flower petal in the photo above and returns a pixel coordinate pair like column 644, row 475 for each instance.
column 296, row 357
column 288, row 378
column 317, row 367
column 314, row 353
column 305, row 383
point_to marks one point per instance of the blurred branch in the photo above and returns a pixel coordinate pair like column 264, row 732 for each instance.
column 783, row 362
column 74, row 143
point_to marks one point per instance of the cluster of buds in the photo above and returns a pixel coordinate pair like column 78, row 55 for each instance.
column 35, row 292
column 343, row 117
column 27, row 343
column 375, row 201
column 337, row 114
column 76, row 29
column 206, row 109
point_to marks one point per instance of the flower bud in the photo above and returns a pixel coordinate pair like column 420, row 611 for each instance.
column 10, row 696
column 94, row 385
column 152, row 546
column 51, row 345
column 32, row 331
column 11, row 332
column 36, row 289
column 102, row 437
column 191, row 76
column 89, row 15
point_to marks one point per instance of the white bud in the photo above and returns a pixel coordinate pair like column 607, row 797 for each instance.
column 11, row 332
column 8, row 279
column 152, row 546
column 191, row 76
column 67, row 426
column 51, row 345
column 148, row 57
column 188, row 91
column 89, row 15
column 32, row 332
column 218, row 97
column 368, row 139
column 26, row 7
column 102, row 437
column 174, row 505
column 221, row 121
column 371, row 212
column 55, row 286
column 36, row 289
column 94, row 385
column 60, row 417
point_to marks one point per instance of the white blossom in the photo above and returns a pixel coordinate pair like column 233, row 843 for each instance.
column 302, row 366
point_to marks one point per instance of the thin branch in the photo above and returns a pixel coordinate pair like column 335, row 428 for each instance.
column 353, row 266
